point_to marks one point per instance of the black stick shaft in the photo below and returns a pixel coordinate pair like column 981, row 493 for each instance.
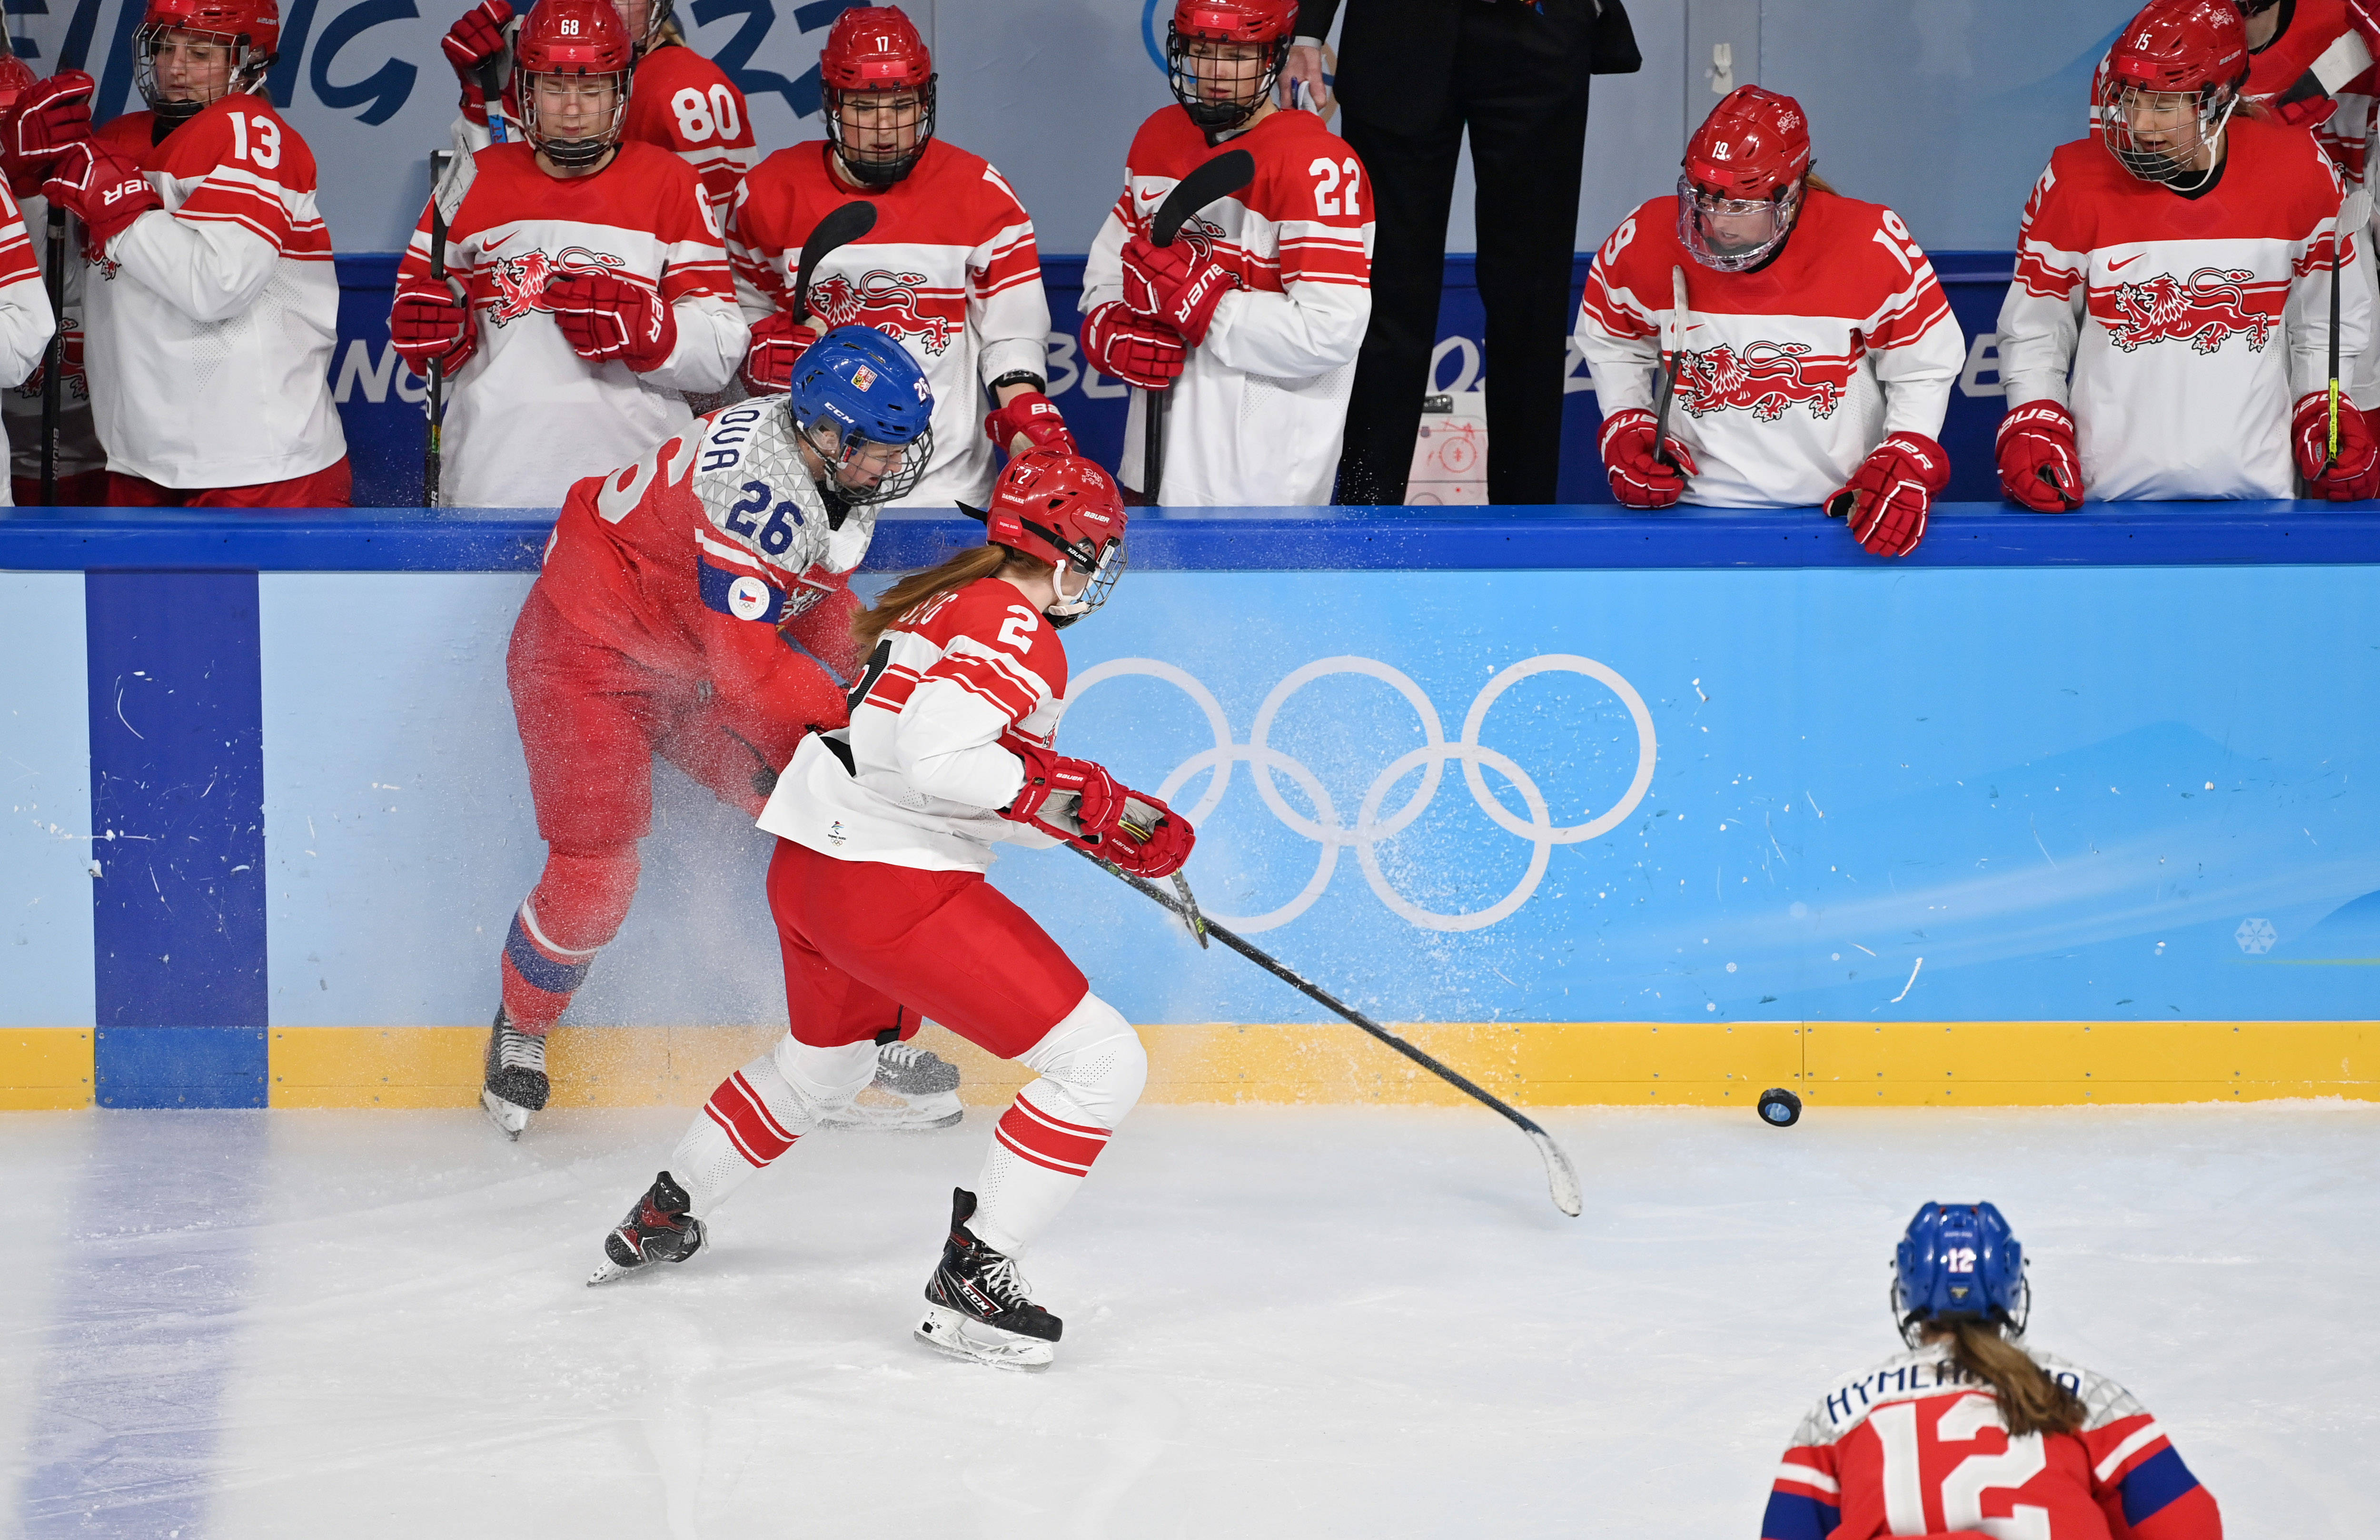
column 1152, row 441
column 433, row 452
column 2338, row 239
column 54, row 362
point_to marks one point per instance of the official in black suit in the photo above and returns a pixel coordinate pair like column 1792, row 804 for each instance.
column 1412, row 75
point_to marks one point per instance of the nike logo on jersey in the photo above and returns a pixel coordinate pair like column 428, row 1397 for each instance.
column 2127, row 262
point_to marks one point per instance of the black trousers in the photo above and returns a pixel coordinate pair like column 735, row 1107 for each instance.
column 1524, row 100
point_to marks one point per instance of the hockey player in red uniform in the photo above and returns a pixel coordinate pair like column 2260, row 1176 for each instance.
column 885, row 828
column 209, row 304
column 1249, row 322
column 2178, row 266
column 1816, row 354
column 26, row 320
column 950, row 267
column 696, row 605
column 683, row 102
column 1971, row 1434
column 586, row 291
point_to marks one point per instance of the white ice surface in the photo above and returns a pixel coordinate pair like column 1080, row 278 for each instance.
column 1280, row 1322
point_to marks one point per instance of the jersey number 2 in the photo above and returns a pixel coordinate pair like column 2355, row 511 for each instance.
column 1328, row 198
column 1964, row 1486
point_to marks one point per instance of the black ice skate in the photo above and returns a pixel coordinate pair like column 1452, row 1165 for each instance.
column 976, row 1303
column 915, row 1088
column 517, row 1083
column 658, row 1229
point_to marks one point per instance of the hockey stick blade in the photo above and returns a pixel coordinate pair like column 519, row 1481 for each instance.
column 1219, row 178
column 1561, row 1177
column 840, row 227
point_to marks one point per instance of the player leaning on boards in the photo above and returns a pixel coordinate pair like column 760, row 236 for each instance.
column 209, row 302
column 1254, row 315
column 682, row 103
column 695, row 605
column 2178, row 265
column 884, row 830
column 586, row 292
column 1971, row 1434
column 949, row 268
column 1814, row 351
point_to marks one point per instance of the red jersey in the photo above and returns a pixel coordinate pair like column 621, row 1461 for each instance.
column 26, row 325
column 1257, row 417
column 950, row 270
column 682, row 103
column 1913, row 1446
column 2191, row 326
column 1789, row 375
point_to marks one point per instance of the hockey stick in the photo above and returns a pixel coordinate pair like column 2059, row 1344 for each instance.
column 1219, row 177
column 1677, row 330
column 840, row 227
column 492, row 89
column 2357, row 203
column 53, row 361
column 434, row 456
column 1562, row 1178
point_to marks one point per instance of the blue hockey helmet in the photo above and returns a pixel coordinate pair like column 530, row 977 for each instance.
column 1959, row 1260
column 863, row 406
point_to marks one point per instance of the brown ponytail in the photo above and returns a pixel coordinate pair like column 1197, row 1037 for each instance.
column 980, row 561
column 2030, row 1401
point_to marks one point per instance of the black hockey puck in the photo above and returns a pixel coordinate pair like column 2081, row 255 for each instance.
column 1780, row 1107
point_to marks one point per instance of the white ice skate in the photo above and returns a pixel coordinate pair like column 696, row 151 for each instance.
column 978, row 1304
column 913, row 1090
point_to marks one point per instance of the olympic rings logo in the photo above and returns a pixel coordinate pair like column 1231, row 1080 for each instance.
column 1370, row 828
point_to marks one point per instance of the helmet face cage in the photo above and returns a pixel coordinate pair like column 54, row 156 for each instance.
column 586, row 150
column 1183, row 74
column 2200, row 115
column 868, row 166
column 1103, row 565
column 657, row 20
column 850, row 458
column 1759, row 226
column 247, row 67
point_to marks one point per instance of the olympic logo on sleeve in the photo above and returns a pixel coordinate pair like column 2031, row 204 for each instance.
column 1370, row 828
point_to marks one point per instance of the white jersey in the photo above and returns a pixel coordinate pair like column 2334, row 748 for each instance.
column 209, row 323
column 2191, row 326
column 26, row 325
column 918, row 776
column 1258, row 415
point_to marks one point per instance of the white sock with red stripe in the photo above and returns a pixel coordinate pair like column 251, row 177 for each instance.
column 758, row 1112
column 1092, row 1068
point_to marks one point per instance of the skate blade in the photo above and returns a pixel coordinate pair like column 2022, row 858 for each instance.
column 946, row 1331
column 510, row 1119
column 940, row 1111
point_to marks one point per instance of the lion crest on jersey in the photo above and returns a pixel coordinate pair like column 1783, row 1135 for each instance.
column 2207, row 309
column 520, row 281
column 1764, row 379
column 894, row 303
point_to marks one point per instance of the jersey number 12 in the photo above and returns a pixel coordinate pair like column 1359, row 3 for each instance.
column 1964, row 1483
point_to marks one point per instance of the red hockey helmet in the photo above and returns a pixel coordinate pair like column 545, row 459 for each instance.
column 2170, row 84
column 1745, row 171
column 877, row 82
column 1222, row 56
column 250, row 30
column 579, row 39
column 16, row 78
column 1067, row 511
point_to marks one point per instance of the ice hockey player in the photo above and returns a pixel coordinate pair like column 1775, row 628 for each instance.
column 586, row 291
column 1970, row 1433
column 1817, row 352
column 1249, row 322
column 694, row 605
column 210, row 306
column 2178, row 265
column 885, row 828
column 26, row 320
column 683, row 102
column 950, row 267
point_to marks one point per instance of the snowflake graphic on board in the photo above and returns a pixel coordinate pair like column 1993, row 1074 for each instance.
column 2256, row 937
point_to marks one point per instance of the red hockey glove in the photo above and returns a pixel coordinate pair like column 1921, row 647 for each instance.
column 2352, row 477
column 100, row 188
column 428, row 321
column 1887, row 498
column 1033, row 417
column 1132, row 348
column 1097, row 800
column 1151, row 840
column 777, row 343
column 2303, row 111
column 603, row 318
column 2039, row 464
column 1177, row 285
column 52, row 115
column 1638, row 480
column 470, row 45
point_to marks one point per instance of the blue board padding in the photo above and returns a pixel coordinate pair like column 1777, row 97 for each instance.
column 176, row 800
column 180, row 1066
